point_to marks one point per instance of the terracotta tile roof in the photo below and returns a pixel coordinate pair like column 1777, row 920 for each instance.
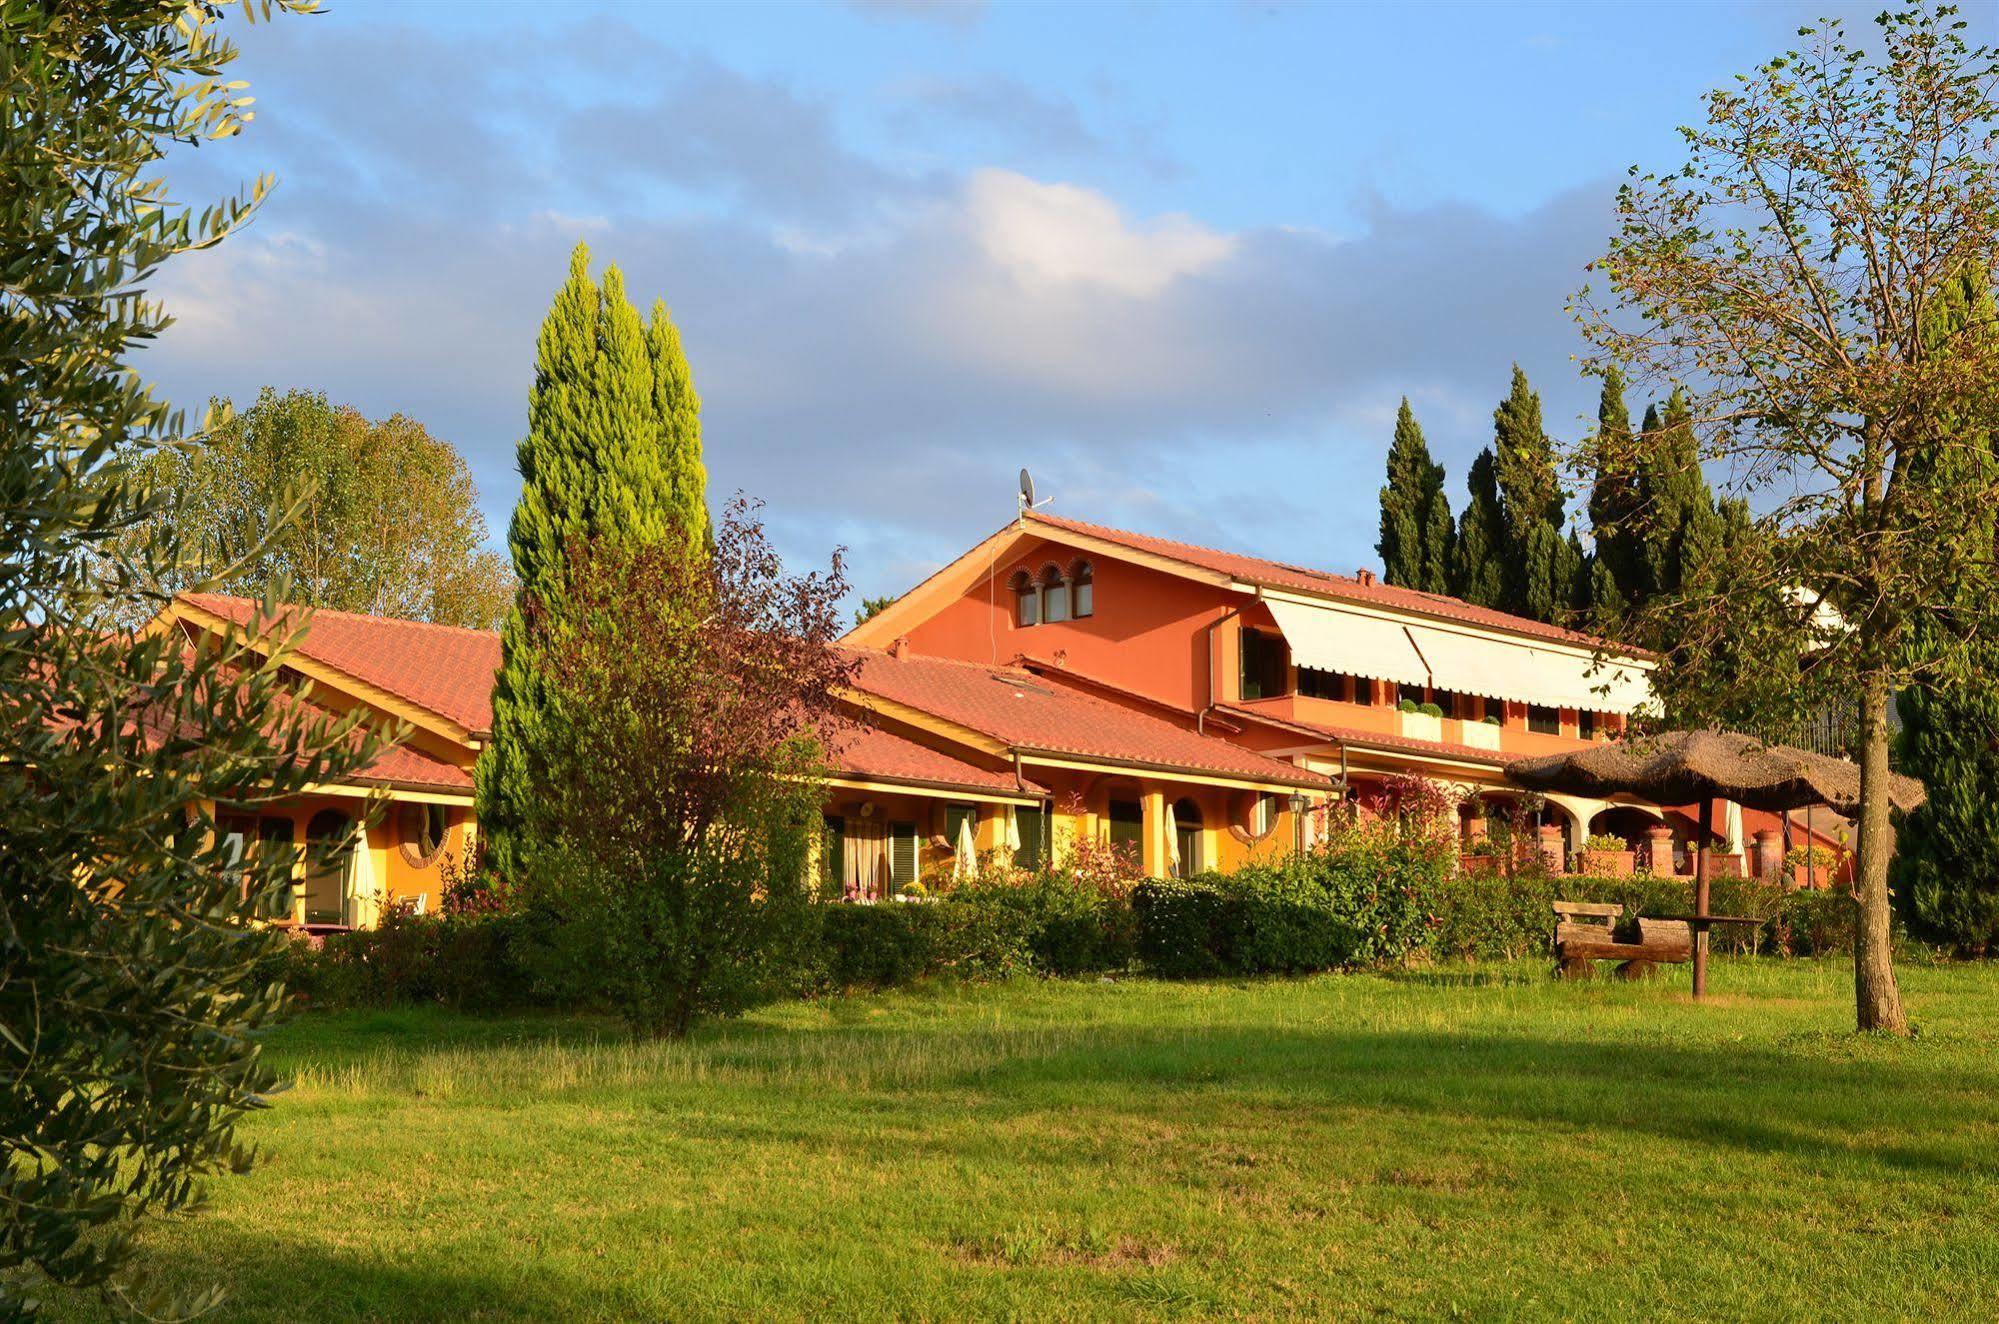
column 444, row 668
column 1350, row 735
column 1277, row 574
column 397, row 765
column 1025, row 711
column 865, row 751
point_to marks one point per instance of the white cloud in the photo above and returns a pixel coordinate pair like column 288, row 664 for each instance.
column 1061, row 234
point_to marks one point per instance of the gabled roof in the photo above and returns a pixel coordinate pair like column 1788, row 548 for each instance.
column 1022, row 711
column 445, row 669
column 1303, row 579
column 867, row 752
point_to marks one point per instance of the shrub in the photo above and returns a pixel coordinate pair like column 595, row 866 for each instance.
column 1072, row 925
column 468, row 964
column 1364, row 895
column 1430, row 709
column 882, row 946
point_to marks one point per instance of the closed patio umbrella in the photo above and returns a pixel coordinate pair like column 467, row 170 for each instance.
column 1678, row 767
column 1172, row 839
column 1012, row 833
column 965, row 858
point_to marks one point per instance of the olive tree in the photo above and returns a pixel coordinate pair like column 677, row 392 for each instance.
column 1789, row 277
column 132, row 982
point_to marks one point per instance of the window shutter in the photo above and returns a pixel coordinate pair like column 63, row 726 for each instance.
column 1033, row 822
column 902, row 853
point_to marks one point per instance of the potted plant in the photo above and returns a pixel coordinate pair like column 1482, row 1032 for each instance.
column 1607, row 856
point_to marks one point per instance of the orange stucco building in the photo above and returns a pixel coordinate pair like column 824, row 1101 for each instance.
column 1059, row 682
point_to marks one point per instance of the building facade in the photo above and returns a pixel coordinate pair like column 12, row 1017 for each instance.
column 1058, row 683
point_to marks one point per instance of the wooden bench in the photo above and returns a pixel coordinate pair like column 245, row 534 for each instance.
column 1586, row 932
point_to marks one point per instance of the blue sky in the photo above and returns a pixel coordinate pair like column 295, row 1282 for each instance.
column 1180, row 260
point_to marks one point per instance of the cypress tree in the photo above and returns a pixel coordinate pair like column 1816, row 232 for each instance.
column 1536, row 575
column 1677, row 521
column 596, row 463
column 1475, row 575
column 679, row 411
column 1613, row 501
column 1945, row 871
column 1415, row 542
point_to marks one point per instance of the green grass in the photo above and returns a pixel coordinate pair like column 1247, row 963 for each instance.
column 1479, row 1143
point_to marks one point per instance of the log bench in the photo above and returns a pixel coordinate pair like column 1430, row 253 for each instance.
column 1586, row 932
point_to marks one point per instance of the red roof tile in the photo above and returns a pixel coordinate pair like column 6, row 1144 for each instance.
column 1351, row 735
column 1277, row 574
column 865, row 751
column 444, row 668
column 1025, row 711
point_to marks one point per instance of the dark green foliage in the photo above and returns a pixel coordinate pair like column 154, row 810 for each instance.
column 130, row 1002
column 871, row 608
column 1416, row 532
column 1945, row 872
column 888, row 945
column 1492, row 917
column 464, row 963
column 1536, row 571
column 1614, row 504
column 1476, row 571
column 612, row 454
column 1358, row 901
column 1074, row 927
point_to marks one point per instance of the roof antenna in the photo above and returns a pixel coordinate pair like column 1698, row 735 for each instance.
column 1027, row 501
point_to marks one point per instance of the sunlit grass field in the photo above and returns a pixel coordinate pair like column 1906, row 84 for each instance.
column 1453, row 1143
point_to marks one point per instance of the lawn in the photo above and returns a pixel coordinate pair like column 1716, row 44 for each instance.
column 1482, row 1143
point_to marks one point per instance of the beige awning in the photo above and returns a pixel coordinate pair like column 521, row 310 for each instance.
column 1529, row 673
column 1329, row 639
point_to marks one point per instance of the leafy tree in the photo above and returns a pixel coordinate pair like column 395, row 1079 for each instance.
column 1416, row 532
column 1946, row 866
column 873, row 607
column 1475, row 575
column 685, row 691
column 130, row 985
column 1793, row 268
column 356, row 515
column 1535, row 571
column 612, row 455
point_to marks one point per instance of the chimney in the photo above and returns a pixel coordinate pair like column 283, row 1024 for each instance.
column 897, row 649
column 1365, row 577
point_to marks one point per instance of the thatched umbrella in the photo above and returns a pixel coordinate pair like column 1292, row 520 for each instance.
column 1681, row 766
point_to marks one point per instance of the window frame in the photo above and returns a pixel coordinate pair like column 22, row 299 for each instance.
column 1553, row 718
column 1082, row 590
column 1054, row 596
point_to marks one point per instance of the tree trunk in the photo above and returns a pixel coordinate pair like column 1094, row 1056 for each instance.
column 1877, row 1001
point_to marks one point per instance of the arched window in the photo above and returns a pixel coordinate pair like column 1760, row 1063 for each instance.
column 1082, row 590
column 1054, row 596
column 1187, row 838
column 1026, row 600
column 331, row 834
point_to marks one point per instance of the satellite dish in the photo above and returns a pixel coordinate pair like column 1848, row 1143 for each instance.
column 1026, row 490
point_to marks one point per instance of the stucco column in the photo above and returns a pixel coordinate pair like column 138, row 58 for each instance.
column 1659, row 849
column 1153, row 854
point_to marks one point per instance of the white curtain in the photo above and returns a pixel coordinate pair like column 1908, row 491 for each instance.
column 965, row 864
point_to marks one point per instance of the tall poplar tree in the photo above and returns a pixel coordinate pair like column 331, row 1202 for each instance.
column 1536, row 574
column 1415, row 543
column 611, row 419
column 1475, row 574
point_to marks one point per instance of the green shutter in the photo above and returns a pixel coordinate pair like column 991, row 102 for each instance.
column 902, row 854
column 1033, row 823
column 954, row 820
column 1128, row 825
